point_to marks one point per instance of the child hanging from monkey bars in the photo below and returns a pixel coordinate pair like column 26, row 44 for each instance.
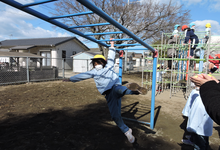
column 108, row 84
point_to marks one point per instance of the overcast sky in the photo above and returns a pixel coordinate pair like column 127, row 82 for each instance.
column 16, row 24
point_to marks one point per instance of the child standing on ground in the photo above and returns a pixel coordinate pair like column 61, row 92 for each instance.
column 190, row 35
column 108, row 84
column 192, row 96
column 199, row 124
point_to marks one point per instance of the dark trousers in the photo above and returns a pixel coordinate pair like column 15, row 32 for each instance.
column 194, row 43
column 170, row 64
column 113, row 97
column 202, row 142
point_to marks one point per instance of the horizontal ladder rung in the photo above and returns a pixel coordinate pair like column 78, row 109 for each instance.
column 37, row 3
column 90, row 25
column 71, row 15
column 90, row 34
column 115, row 40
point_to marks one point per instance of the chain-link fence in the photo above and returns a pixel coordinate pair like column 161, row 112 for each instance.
column 25, row 69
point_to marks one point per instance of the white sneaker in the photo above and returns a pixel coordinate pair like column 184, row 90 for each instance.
column 129, row 135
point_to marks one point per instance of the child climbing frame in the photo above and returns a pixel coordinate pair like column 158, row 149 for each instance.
column 175, row 65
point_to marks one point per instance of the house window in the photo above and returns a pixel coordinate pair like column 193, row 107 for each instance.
column 74, row 52
column 46, row 61
column 34, row 59
column 63, row 54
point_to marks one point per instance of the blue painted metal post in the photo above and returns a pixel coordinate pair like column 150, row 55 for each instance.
column 120, row 68
column 201, row 62
column 153, row 89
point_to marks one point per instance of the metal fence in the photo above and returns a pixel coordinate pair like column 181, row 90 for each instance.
column 21, row 70
column 27, row 69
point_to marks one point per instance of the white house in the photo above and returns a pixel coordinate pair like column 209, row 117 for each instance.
column 82, row 60
column 54, row 49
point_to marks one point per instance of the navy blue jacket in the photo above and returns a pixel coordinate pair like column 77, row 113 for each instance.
column 190, row 35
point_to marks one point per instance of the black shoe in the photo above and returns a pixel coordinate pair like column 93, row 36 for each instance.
column 135, row 87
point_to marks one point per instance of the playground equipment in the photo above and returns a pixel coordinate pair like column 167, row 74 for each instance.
column 173, row 55
column 26, row 8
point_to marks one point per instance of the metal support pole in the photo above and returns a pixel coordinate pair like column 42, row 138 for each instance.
column 87, row 61
column 126, row 57
column 63, row 68
column 120, row 68
column 208, row 52
column 201, row 62
column 171, row 76
column 162, row 61
column 28, row 78
column 153, row 89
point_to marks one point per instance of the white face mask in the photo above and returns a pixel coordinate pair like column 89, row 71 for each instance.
column 98, row 67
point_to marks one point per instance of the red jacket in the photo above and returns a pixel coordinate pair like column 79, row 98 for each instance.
column 215, row 62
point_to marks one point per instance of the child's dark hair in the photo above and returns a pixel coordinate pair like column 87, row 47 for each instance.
column 99, row 61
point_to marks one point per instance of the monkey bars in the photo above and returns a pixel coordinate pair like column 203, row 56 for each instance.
column 110, row 21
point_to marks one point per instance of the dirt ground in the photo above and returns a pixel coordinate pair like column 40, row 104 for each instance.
column 57, row 115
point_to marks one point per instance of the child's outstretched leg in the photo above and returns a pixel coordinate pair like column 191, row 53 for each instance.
column 114, row 105
column 136, row 88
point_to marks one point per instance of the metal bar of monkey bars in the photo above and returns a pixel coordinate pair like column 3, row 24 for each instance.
column 105, row 16
column 105, row 33
column 115, row 40
column 71, row 15
column 37, row 3
column 90, row 25
column 128, row 44
column 132, row 49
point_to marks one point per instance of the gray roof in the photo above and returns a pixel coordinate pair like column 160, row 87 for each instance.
column 36, row 41
column 94, row 49
column 22, row 47
column 93, row 53
column 88, row 52
column 17, row 54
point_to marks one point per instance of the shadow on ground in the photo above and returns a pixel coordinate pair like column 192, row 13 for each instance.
column 86, row 128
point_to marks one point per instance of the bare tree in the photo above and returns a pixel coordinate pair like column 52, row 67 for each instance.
column 146, row 20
